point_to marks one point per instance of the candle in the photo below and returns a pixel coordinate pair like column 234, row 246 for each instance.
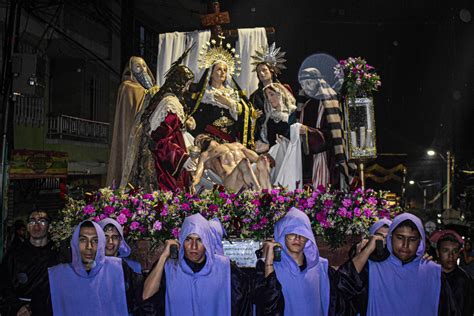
column 353, row 139
column 362, row 136
column 369, row 142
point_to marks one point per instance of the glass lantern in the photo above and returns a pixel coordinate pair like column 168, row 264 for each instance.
column 360, row 128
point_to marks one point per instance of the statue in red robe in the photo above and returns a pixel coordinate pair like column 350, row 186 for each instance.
column 164, row 131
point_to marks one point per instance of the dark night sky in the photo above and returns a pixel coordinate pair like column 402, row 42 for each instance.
column 422, row 50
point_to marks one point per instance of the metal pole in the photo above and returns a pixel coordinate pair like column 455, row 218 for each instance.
column 424, row 199
column 361, row 175
column 10, row 45
column 448, row 180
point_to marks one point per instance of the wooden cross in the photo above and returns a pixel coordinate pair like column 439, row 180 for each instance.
column 215, row 19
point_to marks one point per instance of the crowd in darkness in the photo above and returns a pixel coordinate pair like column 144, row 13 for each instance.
column 193, row 276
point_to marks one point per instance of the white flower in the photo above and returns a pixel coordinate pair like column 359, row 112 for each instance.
column 228, row 45
column 213, row 42
column 233, row 50
column 237, row 55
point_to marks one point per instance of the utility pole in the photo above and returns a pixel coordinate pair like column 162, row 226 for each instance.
column 449, row 178
column 9, row 47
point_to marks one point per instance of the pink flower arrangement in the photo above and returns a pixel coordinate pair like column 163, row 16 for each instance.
column 359, row 77
column 247, row 214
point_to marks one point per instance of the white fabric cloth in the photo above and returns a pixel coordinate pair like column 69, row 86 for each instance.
column 290, row 170
column 278, row 152
column 200, row 38
column 172, row 45
column 170, row 103
column 249, row 41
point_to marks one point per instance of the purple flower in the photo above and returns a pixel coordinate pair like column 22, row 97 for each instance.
column 325, row 224
column 213, row 208
column 175, row 232
column 88, row 209
column 328, row 203
column 134, row 225
column 256, row 202
column 164, row 211
column 148, row 197
column 372, row 201
column 342, row 211
column 321, row 216
column 121, row 219
column 187, row 195
column 357, row 211
column 303, row 203
column 275, row 191
column 255, row 227
column 97, row 219
column 263, row 221
column 228, row 201
column 125, row 211
column 157, row 225
column 246, row 220
column 226, row 218
column 281, row 199
column 185, row 207
column 102, row 216
column 310, row 202
column 346, row 202
column 367, row 213
column 321, row 189
column 222, row 195
column 109, row 210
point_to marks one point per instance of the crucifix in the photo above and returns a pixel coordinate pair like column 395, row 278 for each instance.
column 216, row 19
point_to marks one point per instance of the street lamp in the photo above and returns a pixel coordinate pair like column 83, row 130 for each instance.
column 449, row 159
column 424, row 185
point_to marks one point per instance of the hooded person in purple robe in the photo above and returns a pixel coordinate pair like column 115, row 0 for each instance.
column 403, row 284
column 218, row 232
column 384, row 222
column 93, row 284
column 116, row 246
column 351, row 307
column 199, row 282
column 299, row 284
